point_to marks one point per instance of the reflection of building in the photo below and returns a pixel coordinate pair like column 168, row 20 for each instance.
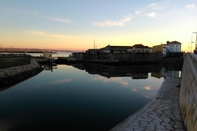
column 49, row 67
column 173, row 74
column 133, row 71
column 139, row 75
column 156, row 74
column 169, row 72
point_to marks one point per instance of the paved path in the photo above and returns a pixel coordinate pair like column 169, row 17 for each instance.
column 160, row 114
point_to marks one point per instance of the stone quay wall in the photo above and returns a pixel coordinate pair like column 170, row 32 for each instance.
column 124, row 57
column 133, row 57
column 188, row 92
column 18, row 73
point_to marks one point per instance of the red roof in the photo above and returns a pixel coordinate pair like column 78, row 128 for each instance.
column 175, row 42
column 140, row 46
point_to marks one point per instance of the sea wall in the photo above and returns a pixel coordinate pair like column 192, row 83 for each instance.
column 123, row 57
column 132, row 57
column 18, row 73
column 188, row 92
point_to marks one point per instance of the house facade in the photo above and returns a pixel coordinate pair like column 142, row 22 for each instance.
column 171, row 47
column 175, row 46
column 166, row 49
column 115, row 49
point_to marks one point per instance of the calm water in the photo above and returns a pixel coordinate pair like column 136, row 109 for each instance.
column 78, row 97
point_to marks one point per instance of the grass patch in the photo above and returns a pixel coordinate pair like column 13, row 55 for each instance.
column 10, row 62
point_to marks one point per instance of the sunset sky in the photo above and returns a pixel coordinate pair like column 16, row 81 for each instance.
column 75, row 24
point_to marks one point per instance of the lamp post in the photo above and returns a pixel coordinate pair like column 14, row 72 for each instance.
column 196, row 40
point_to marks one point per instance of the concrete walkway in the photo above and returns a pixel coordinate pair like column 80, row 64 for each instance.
column 160, row 114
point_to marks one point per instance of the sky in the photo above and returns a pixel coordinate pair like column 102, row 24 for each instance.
column 79, row 24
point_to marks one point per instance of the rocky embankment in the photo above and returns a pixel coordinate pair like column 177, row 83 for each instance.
column 13, row 75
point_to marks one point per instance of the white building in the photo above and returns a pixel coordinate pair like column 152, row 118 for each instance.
column 47, row 54
column 173, row 46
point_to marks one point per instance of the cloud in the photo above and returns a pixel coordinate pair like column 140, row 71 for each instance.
column 152, row 5
column 147, row 87
column 59, row 20
column 151, row 14
column 154, row 9
column 116, row 80
column 191, row 6
column 41, row 33
column 137, row 12
column 110, row 23
column 159, row 6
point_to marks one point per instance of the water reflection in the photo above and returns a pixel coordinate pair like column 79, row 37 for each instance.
column 49, row 67
column 170, row 72
column 133, row 71
column 79, row 97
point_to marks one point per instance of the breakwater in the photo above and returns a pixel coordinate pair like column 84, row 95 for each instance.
column 12, row 75
column 188, row 92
